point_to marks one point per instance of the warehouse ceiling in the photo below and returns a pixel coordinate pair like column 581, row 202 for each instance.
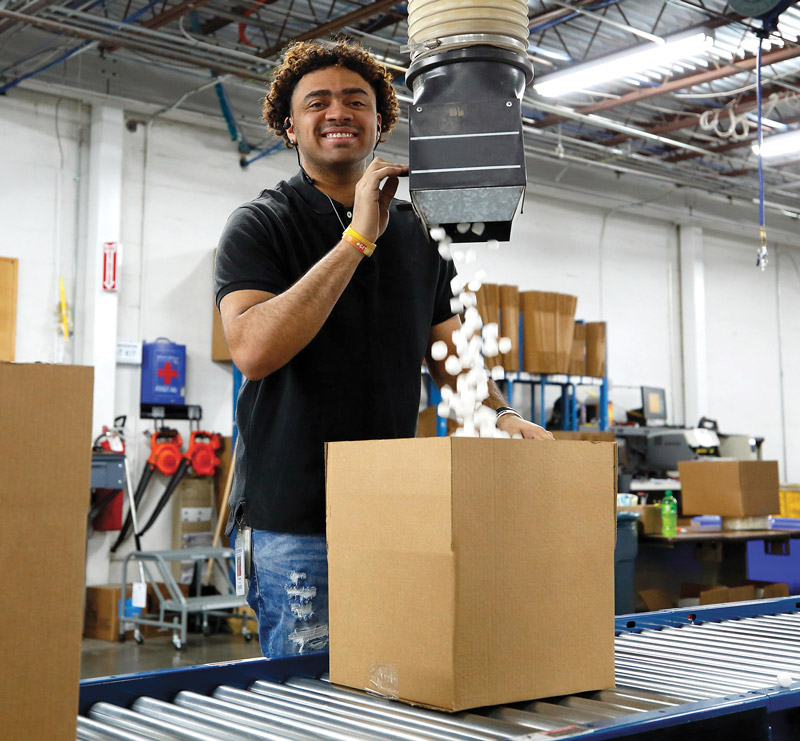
column 690, row 123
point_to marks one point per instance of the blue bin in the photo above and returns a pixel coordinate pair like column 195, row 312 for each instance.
column 775, row 560
column 163, row 372
column 624, row 562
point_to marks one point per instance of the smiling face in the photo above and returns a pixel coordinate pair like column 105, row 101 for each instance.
column 334, row 120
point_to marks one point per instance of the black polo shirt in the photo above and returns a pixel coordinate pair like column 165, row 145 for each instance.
column 358, row 379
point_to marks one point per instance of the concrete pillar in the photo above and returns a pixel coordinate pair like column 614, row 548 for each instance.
column 96, row 314
column 693, row 323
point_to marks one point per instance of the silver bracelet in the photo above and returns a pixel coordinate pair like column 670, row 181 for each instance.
column 507, row 410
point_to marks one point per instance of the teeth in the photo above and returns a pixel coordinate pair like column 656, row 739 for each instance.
column 339, row 136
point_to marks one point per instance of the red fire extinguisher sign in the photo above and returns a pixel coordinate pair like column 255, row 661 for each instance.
column 110, row 263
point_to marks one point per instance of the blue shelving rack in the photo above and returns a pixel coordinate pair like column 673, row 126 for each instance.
column 539, row 383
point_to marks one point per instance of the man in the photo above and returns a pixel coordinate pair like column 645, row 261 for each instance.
column 329, row 336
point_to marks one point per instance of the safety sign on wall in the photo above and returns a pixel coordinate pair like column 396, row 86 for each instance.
column 110, row 265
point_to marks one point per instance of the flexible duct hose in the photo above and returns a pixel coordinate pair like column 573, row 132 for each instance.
column 433, row 24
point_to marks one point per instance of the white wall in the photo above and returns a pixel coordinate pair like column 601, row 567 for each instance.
column 182, row 180
column 39, row 227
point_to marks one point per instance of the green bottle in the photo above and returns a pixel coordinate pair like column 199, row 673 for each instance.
column 669, row 516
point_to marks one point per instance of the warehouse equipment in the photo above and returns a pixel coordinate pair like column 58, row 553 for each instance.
column 155, row 570
column 165, row 457
column 107, row 484
column 108, row 477
column 654, row 451
column 710, row 672
column 200, row 457
column 468, row 73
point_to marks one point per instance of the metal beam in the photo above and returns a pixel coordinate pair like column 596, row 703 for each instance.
column 637, row 96
column 326, row 28
column 212, row 25
column 162, row 19
column 175, row 12
column 32, row 7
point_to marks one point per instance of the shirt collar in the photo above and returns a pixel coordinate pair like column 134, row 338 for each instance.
column 316, row 199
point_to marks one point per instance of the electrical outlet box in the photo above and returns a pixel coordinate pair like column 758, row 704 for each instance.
column 129, row 352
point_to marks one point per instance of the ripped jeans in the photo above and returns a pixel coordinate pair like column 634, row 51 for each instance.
column 288, row 591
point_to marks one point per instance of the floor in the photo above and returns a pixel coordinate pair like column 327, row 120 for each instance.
column 104, row 658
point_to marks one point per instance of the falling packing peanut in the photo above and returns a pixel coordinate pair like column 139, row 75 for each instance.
column 473, row 342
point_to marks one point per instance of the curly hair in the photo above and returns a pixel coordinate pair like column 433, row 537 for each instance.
column 303, row 57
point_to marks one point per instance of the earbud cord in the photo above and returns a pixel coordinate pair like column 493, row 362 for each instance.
column 311, row 180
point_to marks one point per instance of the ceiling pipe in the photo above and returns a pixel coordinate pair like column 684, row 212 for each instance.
column 133, row 43
column 727, row 147
column 686, row 120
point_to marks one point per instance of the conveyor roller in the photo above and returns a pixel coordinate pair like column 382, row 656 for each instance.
column 710, row 667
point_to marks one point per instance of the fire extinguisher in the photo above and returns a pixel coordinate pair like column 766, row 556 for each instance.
column 106, row 510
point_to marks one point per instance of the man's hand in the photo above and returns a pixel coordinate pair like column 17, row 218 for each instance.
column 371, row 205
column 514, row 425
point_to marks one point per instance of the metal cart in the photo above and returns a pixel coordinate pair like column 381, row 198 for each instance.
column 155, row 571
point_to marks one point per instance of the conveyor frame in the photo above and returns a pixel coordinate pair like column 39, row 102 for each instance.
column 771, row 712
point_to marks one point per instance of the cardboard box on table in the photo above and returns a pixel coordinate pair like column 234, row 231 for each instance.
column 649, row 522
column 692, row 595
column 46, row 439
column 729, row 488
column 466, row 572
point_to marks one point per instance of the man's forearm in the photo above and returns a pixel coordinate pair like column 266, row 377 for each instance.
column 269, row 334
column 496, row 398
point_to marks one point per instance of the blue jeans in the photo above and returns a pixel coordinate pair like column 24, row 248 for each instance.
column 288, row 591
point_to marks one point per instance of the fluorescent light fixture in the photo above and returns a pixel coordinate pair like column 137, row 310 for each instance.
column 622, row 65
column 549, row 53
column 768, row 122
column 780, row 144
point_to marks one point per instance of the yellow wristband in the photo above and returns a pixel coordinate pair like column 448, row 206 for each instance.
column 360, row 243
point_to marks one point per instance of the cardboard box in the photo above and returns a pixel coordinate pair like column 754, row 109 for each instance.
column 577, row 361
column 46, row 439
column 454, row 561
column 596, row 349
column 698, row 594
column 193, row 515
column 790, row 500
column 594, row 436
column 220, row 352
column 8, row 307
column 649, row 522
column 729, row 488
column 509, row 325
column 656, row 599
column 101, row 612
column 548, row 324
column 488, row 297
column 428, row 421
column 236, row 624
